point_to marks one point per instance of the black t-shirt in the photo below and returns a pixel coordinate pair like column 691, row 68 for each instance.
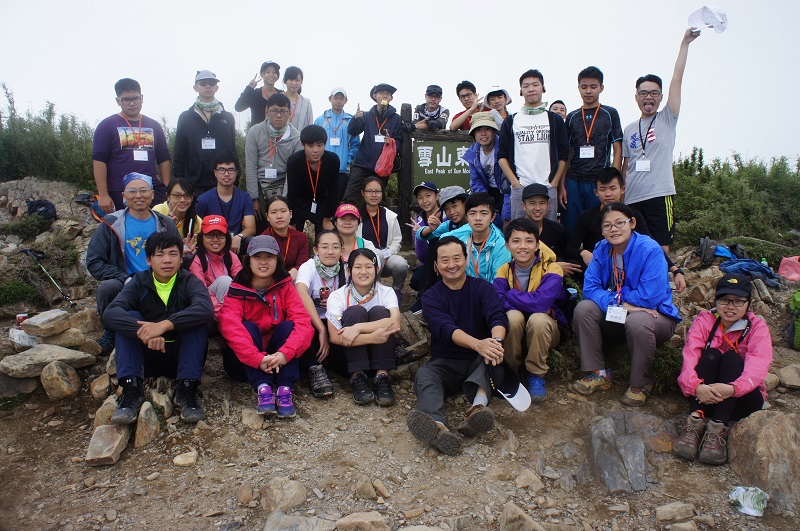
column 554, row 235
column 606, row 130
column 586, row 232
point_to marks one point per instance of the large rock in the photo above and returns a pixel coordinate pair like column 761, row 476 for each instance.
column 111, row 364
column 674, row 511
column 60, row 381
column 71, row 337
column 764, row 449
column 10, row 387
column 619, row 443
column 47, row 323
column 371, row 521
column 282, row 494
column 514, row 519
column 528, row 479
column 162, row 401
column 21, row 340
column 147, row 427
column 252, row 419
column 29, row 364
column 102, row 416
column 107, row 444
column 85, row 320
column 364, row 489
column 100, row 386
column 790, row 376
column 279, row 520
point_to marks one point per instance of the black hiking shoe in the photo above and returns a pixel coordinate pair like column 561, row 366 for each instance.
column 384, row 396
column 361, row 391
column 320, row 384
column 107, row 342
column 186, row 399
column 132, row 399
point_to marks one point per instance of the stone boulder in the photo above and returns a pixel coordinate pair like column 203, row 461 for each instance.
column 790, row 376
column 282, row 494
column 100, row 386
column 29, row 364
column 71, row 337
column 47, row 323
column 85, row 320
column 147, row 426
column 514, row 519
column 21, row 340
column 107, row 444
column 10, row 387
column 102, row 416
column 764, row 450
column 59, row 380
column 371, row 521
column 279, row 520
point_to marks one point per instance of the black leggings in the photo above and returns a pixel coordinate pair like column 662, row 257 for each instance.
column 716, row 367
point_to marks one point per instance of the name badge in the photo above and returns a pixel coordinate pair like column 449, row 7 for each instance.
column 336, row 141
column 209, row 143
column 313, row 207
column 642, row 165
column 616, row 314
column 140, row 154
column 270, row 173
column 586, row 152
column 380, row 138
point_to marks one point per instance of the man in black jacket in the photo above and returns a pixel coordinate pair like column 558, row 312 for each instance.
column 203, row 131
column 161, row 319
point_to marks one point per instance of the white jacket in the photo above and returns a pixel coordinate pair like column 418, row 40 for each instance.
column 395, row 236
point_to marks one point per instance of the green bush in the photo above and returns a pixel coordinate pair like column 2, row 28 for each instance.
column 26, row 227
column 12, row 290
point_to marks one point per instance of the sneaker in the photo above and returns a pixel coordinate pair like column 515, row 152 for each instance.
column 714, row 448
column 107, row 342
column 285, row 406
column 591, row 383
column 320, row 384
column 361, row 391
column 186, row 399
column 132, row 399
column 536, row 388
column 478, row 419
column 432, row 433
column 416, row 308
column 688, row 442
column 266, row 401
column 403, row 355
column 384, row 396
column 636, row 396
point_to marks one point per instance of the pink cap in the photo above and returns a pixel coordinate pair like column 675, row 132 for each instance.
column 345, row 209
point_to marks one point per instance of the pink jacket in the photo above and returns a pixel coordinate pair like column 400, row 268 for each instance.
column 215, row 267
column 756, row 349
column 279, row 303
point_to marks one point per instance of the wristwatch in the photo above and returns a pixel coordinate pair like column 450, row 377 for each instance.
column 678, row 271
column 498, row 339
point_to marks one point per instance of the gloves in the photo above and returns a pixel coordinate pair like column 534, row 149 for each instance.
column 433, row 125
column 409, row 127
column 219, row 288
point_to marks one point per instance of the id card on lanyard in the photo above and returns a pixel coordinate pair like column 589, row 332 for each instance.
column 615, row 313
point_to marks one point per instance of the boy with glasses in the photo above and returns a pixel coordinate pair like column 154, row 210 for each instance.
column 128, row 142
column 647, row 166
column 203, row 131
column 228, row 201
column 468, row 96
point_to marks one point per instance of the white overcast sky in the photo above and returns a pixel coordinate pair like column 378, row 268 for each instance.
column 736, row 87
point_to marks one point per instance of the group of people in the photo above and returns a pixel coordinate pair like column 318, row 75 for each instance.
column 183, row 253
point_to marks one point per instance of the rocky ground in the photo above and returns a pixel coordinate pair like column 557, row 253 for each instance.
column 338, row 465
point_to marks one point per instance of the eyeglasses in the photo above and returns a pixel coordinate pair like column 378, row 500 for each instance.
column 653, row 93
column 277, row 112
column 373, row 192
column 139, row 191
column 737, row 303
column 131, row 101
column 226, row 171
column 330, row 247
column 216, row 235
column 465, row 96
column 207, row 83
column 178, row 197
column 605, row 227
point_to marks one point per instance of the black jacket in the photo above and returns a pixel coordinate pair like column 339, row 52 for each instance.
column 369, row 151
column 189, row 159
column 559, row 142
column 188, row 306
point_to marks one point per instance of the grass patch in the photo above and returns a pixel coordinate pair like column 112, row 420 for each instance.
column 26, row 227
column 758, row 249
column 12, row 290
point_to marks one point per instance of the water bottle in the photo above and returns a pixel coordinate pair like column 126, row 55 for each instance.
column 764, row 262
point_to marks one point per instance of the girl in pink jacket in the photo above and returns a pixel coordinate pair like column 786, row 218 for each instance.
column 214, row 263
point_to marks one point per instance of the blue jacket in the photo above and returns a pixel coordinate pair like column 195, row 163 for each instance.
column 370, row 151
column 493, row 255
column 645, row 283
column 348, row 144
column 479, row 181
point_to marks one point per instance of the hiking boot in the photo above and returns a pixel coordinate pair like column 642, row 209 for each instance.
column 107, row 342
column 714, row 449
column 688, row 442
column 266, row 401
column 403, row 355
column 320, row 384
column 384, row 396
column 361, row 391
column 186, row 399
column 478, row 419
column 132, row 399
column 536, row 388
column 416, row 308
column 591, row 383
column 432, row 433
column 636, row 396
column 285, row 406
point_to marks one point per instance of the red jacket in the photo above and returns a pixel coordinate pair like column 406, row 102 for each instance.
column 756, row 350
column 280, row 303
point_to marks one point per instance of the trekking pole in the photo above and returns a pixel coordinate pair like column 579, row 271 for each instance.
column 37, row 255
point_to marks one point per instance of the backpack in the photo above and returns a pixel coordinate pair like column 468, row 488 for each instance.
column 794, row 322
column 42, row 208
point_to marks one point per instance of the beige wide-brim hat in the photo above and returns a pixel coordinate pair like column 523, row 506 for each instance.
column 482, row 119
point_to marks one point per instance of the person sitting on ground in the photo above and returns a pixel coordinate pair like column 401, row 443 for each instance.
column 472, row 102
column 161, row 318
column 294, row 244
column 427, row 195
column 266, row 327
column 383, row 230
column 468, row 326
column 496, row 102
column 430, row 116
column 625, row 294
column 316, row 280
column 560, row 108
column 727, row 355
column 214, row 263
column 346, row 221
column 485, row 243
column 181, row 208
column 256, row 99
column 529, row 287
column 229, row 202
column 116, row 250
column 535, row 201
column 363, row 317
column 485, row 174
column 302, row 114
column 313, row 179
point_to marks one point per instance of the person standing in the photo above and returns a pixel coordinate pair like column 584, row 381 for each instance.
column 254, row 98
column 302, row 114
column 472, row 102
column 335, row 122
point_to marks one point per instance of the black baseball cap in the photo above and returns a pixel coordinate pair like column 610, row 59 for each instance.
column 733, row 284
column 427, row 185
column 535, row 189
column 433, row 89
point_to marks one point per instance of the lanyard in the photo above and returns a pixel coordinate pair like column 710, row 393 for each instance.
column 213, row 272
column 328, row 119
column 591, row 126
column 476, row 263
column 363, row 301
column 273, row 146
column 647, row 135
column 315, row 182
column 619, row 277
column 735, row 344
column 136, row 135
column 380, row 126
column 377, row 231
column 294, row 110
column 516, row 279
column 288, row 242
column 333, row 283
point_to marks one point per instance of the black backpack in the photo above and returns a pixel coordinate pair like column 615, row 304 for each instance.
column 42, row 208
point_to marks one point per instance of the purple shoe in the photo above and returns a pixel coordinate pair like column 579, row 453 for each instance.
column 266, row 400
column 285, row 406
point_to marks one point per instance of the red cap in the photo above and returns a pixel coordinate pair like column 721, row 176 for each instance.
column 345, row 209
column 214, row 222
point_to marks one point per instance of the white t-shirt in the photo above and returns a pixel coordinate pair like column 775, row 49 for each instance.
column 307, row 274
column 532, row 148
column 337, row 302
column 658, row 181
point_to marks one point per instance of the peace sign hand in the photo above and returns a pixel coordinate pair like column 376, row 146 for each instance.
column 254, row 82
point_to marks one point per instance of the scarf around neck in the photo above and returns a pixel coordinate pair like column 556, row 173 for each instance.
column 326, row 271
column 212, row 107
column 276, row 133
column 534, row 110
column 361, row 298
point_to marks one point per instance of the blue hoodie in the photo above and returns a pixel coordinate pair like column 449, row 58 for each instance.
column 493, row 254
column 479, row 181
column 348, row 145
